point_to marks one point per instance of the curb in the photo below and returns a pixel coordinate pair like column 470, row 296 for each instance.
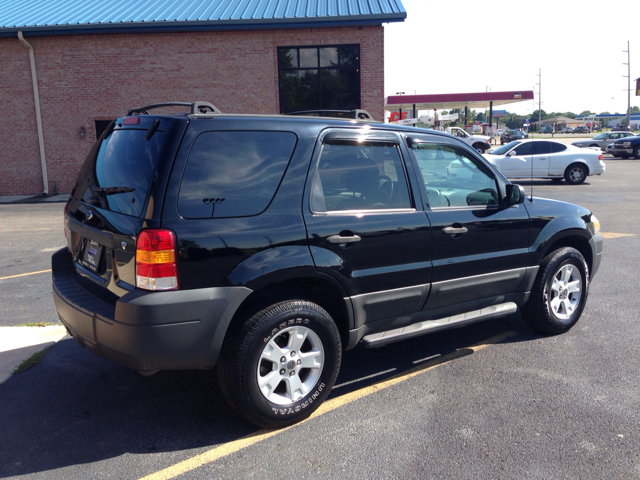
column 18, row 344
column 17, row 199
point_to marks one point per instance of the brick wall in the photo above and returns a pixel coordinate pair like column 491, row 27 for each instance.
column 86, row 78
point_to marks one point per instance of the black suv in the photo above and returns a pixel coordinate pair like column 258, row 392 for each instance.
column 267, row 245
column 511, row 135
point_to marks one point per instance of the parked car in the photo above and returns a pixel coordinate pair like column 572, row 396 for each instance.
column 601, row 140
column 546, row 159
column 581, row 129
column 264, row 246
column 546, row 129
column 568, row 130
column 626, row 147
column 621, row 128
column 609, row 149
column 511, row 135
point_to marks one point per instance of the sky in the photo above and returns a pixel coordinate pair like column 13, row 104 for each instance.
column 468, row 46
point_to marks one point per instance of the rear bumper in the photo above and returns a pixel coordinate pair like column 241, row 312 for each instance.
column 143, row 330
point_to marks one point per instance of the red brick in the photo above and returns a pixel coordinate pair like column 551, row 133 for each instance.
column 96, row 77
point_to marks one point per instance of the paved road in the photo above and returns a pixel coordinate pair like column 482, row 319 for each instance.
column 30, row 234
column 493, row 400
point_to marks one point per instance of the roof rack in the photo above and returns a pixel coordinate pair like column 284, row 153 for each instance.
column 358, row 113
column 196, row 108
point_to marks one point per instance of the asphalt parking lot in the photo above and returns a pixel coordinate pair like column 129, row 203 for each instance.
column 492, row 400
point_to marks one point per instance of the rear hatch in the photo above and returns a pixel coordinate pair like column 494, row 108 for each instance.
column 118, row 192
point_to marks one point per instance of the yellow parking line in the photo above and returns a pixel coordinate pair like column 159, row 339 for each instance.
column 615, row 235
column 24, row 274
column 237, row 445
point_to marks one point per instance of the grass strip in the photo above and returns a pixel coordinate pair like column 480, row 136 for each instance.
column 37, row 324
column 32, row 361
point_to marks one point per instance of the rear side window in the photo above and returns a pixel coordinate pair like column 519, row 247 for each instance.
column 233, row 174
column 362, row 176
column 557, row 148
column 119, row 175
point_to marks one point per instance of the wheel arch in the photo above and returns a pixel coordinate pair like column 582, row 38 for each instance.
column 575, row 238
column 314, row 287
column 579, row 161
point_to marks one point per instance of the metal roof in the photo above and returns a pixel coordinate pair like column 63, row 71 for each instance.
column 456, row 100
column 68, row 17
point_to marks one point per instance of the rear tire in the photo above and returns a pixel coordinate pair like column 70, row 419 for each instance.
column 282, row 364
column 575, row 174
column 559, row 293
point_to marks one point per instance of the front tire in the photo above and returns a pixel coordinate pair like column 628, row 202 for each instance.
column 636, row 152
column 575, row 174
column 559, row 294
column 282, row 364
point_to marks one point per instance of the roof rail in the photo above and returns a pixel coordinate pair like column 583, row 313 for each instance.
column 196, row 107
column 335, row 113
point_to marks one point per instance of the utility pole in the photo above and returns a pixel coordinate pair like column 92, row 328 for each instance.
column 539, row 98
column 628, row 75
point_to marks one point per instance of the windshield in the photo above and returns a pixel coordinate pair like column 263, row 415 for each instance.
column 504, row 148
column 600, row 137
column 118, row 174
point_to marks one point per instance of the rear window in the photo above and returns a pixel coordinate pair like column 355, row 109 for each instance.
column 118, row 175
column 233, row 174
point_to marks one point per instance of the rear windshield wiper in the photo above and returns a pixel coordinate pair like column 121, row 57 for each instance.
column 111, row 190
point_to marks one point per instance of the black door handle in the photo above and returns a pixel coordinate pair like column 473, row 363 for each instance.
column 454, row 231
column 341, row 239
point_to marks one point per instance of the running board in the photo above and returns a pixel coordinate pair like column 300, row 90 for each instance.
column 428, row 326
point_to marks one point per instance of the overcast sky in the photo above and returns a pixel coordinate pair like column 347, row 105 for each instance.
column 470, row 46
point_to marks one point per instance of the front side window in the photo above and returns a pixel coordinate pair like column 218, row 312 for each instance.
column 363, row 176
column 524, row 149
column 233, row 174
column 313, row 78
column 452, row 178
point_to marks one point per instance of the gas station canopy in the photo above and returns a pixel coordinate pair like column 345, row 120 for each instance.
column 455, row 100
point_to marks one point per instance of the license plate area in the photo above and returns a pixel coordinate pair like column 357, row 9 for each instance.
column 92, row 255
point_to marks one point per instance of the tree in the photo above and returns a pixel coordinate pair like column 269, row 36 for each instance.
column 604, row 113
column 534, row 115
column 635, row 109
column 585, row 113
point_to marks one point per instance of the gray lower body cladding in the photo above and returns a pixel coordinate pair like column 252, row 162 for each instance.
column 143, row 330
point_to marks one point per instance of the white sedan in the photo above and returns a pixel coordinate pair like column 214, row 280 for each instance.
column 546, row 159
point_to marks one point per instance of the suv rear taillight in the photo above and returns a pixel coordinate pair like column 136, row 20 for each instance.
column 156, row 260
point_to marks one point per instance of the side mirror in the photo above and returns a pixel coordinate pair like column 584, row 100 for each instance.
column 511, row 153
column 515, row 194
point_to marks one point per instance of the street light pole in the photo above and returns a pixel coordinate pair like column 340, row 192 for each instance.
column 628, row 75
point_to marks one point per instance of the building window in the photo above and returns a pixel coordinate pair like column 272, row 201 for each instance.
column 100, row 126
column 312, row 78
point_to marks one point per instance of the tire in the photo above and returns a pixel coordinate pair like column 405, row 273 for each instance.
column 559, row 293
column 575, row 174
column 268, row 391
column 636, row 152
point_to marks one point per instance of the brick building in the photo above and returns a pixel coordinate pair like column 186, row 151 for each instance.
column 95, row 60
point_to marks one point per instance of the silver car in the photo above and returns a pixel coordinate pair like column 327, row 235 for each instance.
column 602, row 140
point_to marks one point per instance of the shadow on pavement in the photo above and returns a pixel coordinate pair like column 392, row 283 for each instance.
column 76, row 409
